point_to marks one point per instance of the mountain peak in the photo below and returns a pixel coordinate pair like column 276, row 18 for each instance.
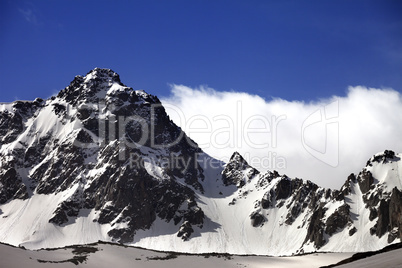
column 102, row 74
column 92, row 87
column 383, row 157
column 237, row 171
column 238, row 158
column 381, row 171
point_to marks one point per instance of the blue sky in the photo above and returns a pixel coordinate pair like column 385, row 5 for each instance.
column 295, row 50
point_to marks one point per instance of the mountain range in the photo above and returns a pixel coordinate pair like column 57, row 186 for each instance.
column 101, row 161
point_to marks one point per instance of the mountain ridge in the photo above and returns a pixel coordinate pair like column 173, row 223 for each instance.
column 101, row 161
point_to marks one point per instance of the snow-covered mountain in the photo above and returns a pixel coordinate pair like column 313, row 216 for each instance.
column 101, row 161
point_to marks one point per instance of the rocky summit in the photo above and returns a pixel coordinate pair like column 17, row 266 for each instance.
column 101, row 161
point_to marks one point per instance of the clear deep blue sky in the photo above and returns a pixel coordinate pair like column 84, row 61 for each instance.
column 296, row 50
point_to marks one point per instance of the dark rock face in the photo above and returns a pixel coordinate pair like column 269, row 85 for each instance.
column 384, row 157
column 257, row 219
column 11, row 186
column 11, row 126
column 65, row 209
column 82, row 89
column 373, row 214
column 365, row 180
column 346, row 188
column 283, row 188
column 299, row 196
column 395, row 213
column 372, row 198
column 338, row 220
column 12, row 122
column 304, row 196
column 352, row 231
column 268, row 200
column 315, row 230
column 373, row 230
column 383, row 218
column 384, row 206
column 234, row 172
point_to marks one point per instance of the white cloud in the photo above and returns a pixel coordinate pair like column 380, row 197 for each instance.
column 322, row 141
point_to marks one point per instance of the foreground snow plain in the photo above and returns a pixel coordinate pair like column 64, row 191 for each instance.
column 109, row 255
